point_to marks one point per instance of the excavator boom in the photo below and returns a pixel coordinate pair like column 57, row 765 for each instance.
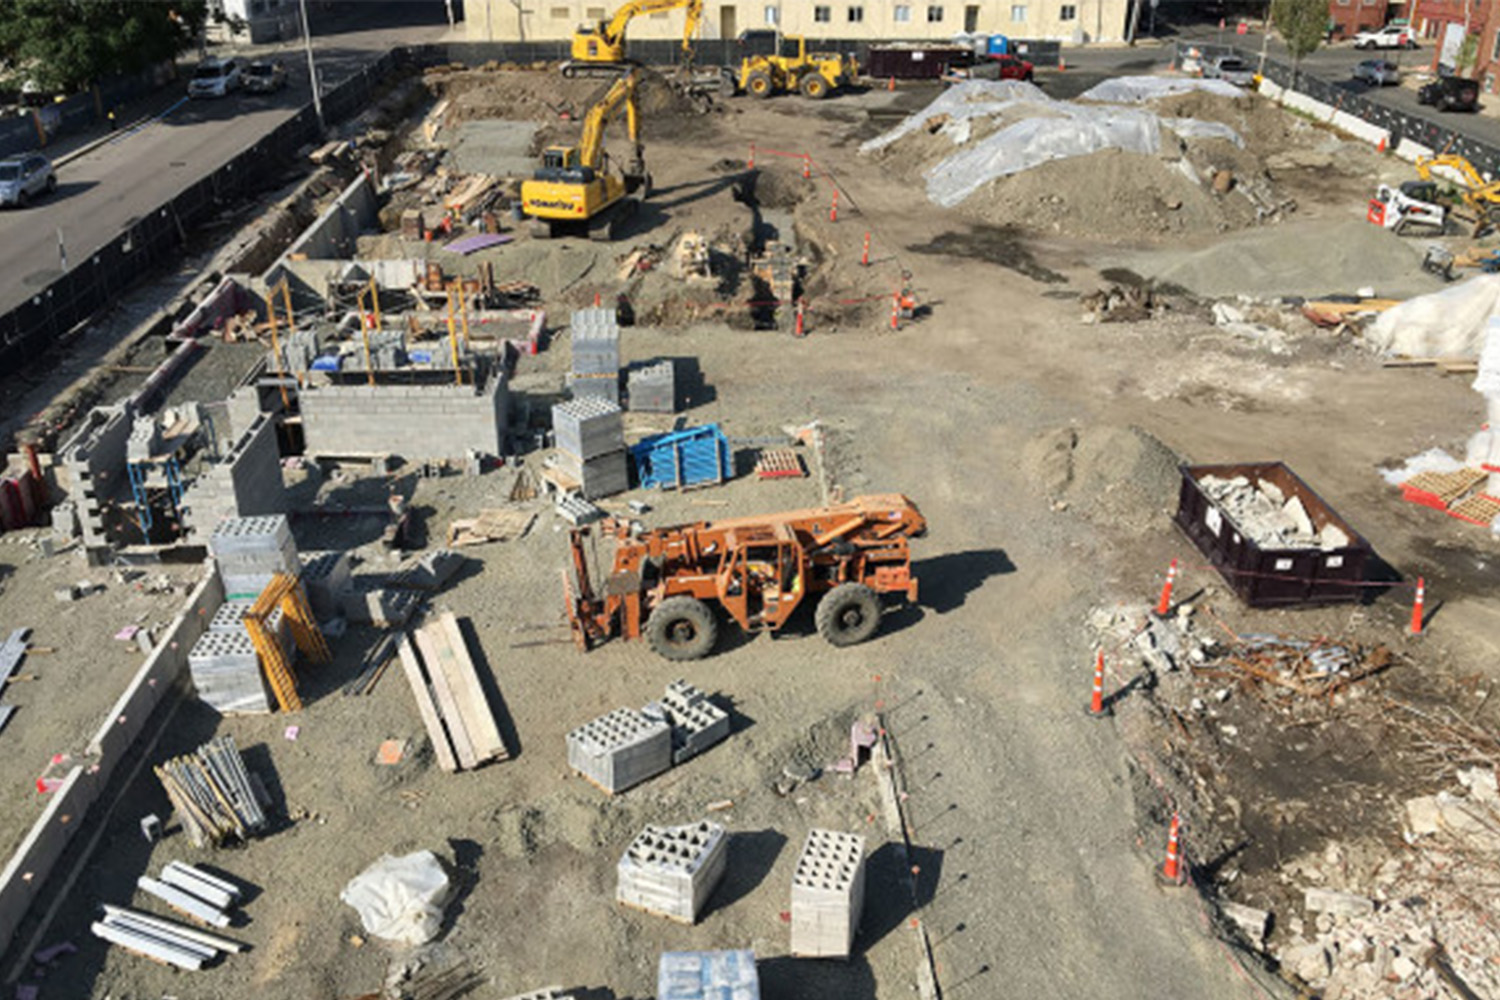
column 602, row 43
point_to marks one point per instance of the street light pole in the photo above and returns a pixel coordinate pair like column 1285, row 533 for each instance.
column 1265, row 40
column 312, row 71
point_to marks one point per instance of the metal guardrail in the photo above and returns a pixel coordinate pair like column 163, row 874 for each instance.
column 1430, row 132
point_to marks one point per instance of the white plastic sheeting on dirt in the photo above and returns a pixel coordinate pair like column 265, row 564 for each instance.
column 1446, row 324
column 1431, row 460
column 1139, row 89
column 1034, row 130
column 1487, row 381
column 400, row 899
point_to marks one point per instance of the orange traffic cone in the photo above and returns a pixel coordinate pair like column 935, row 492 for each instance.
column 1171, row 869
column 1164, row 603
column 890, row 83
column 1096, row 704
column 1417, row 607
column 1062, row 64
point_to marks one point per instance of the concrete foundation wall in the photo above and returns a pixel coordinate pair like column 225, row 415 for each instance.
column 428, row 422
column 246, row 483
column 332, row 236
column 94, row 459
column 25, row 878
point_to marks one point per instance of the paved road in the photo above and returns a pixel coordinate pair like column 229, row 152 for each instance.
column 102, row 192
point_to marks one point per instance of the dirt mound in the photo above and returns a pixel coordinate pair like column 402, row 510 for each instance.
column 518, row 95
column 1110, row 195
column 1120, row 476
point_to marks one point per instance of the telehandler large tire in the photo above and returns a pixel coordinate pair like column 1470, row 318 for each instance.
column 758, row 84
column 814, row 87
column 682, row 628
column 848, row 614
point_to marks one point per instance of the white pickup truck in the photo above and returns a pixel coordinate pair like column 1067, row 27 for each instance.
column 1392, row 36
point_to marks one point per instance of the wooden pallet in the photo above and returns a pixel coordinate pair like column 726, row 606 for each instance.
column 1440, row 489
column 1480, row 509
column 779, row 463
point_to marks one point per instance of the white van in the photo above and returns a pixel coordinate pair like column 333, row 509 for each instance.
column 215, row 78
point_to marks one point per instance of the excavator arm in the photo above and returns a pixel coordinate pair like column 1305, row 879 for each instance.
column 611, row 34
column 622, row 92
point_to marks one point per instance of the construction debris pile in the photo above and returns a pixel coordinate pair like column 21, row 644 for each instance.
column 212, row 793
column 1267, row 516
column 1010, row 154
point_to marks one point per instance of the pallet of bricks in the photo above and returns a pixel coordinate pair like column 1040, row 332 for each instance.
column 450, row 697
column 671, row 871
column 595, row 368
column 590, row 436
column 828, row 893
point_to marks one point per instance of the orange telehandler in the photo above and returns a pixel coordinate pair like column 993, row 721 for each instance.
column 666, row 583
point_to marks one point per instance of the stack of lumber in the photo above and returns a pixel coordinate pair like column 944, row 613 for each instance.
column 449, row 696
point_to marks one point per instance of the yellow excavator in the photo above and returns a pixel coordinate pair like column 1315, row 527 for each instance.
column 1478, row 195
column 575, row 191
column 599, row 46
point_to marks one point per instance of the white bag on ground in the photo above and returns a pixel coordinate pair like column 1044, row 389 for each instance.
column 1446, row 324
column 400, row 899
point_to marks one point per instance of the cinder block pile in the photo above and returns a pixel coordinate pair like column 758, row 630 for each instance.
column 672, row 870
column 299, row 349
column 326, row 577
column 251, row 550
column 590, row 435
column 696, row 722
column 595, row 334
column 144, row 442
column 707, row 975
column 620, row 750
column 828, row 892
column 652, row 388
column 226, row 671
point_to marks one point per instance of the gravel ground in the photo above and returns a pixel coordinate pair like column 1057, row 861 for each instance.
column 1037, row 835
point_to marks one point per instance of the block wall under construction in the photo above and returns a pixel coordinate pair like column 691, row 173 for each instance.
column 427, row 422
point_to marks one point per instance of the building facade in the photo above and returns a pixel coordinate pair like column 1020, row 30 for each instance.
column 1349, row 17
column 253, row 22
column 1444, row 24
column 915, row 20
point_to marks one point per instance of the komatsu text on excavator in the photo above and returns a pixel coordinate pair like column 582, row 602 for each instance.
column 670, row 584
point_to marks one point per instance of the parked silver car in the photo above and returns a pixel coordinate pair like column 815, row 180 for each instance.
column 24, row 178
column 264, row 76
column 1377, row 72
column 215, row 78
column 1231, row 69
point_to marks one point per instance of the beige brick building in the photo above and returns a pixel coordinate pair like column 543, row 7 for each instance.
column 926, row 20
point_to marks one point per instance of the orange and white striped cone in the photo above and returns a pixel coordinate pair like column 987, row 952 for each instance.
column 751, row 164
column 1418, row 607
column 1171, row 869
column 801, row 308
column 890, row 83
column 1164, row 603
column 1097, row 708
column 896, row 311
column 807, row 168
column 833, row 210
column 864, row 255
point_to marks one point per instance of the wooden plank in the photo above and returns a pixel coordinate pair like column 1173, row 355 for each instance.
column 463, row 748
column 479, row 718
column 435, row 732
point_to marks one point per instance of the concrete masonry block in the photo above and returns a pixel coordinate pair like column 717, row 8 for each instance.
column 621, row 749
column 671, row 871
column 828, row 887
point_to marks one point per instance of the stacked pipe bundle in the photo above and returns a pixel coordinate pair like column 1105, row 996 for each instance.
column 211, row 792
column 672, row 870
column 620, row 750
column 251, row 550
column 590, row 435
column 189, row 890
column 828, row 892
column 595, row 334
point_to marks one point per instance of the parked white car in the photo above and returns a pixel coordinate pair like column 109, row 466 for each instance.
column 1392, row 36
column 1230, row 69
column 24, row 178
column 215, row 78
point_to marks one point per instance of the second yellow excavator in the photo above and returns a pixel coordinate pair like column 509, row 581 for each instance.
column 575, row 191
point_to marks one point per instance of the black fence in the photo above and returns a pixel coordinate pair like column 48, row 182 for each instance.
column 1345, row 96
column 157, row 236
column 78, row 113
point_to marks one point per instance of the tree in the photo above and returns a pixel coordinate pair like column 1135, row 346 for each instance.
column 64, row 45
column 1302, row 24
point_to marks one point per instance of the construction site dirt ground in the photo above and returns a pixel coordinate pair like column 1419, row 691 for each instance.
column 1037, row 833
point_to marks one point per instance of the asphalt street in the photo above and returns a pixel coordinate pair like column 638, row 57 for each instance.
column 102, row 192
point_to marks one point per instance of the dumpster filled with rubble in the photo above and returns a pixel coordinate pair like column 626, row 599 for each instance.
column 1274, row 540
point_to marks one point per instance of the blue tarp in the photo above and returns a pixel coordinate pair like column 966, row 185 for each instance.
column 683, row 458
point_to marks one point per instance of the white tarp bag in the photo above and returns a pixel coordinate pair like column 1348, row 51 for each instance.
column 1139, row 89
column 400, row 899
column 1446, row 324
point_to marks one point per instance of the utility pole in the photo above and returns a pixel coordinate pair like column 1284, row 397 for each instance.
column 1265, row 40
column 312, row 71
column 1135, row 20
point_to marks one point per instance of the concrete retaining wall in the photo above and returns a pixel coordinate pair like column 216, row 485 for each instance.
column 332, row 235
column 25, row 878
column 94, row 459
column 426, row 422
column 245, row 483
column 1341, row 120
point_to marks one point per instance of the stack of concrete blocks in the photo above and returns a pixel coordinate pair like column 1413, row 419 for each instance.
column 226, row 673
column 590, row 437
column 672, row 870
column 387, row 351
column 299, row 349
column 595, row 334
column 145, row 440
column 620, row 750
column 94, row 459
column 249, row 551
column 707, row 975
column 230, row 620
column 326, row 577
column 652, row 388
column 696, row 722
column 828, row 893
column 245, row 482
column 421, row 423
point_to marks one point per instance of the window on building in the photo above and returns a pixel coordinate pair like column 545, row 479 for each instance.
column 902, row 13
column 560, row 13
column 822, row 14
column 1495, row 47
column 1018, row 13
column 1069, row 12
column 934, row 15
column 594, row 13
column 856, row 15
column 772, row 15
column 1344, row 3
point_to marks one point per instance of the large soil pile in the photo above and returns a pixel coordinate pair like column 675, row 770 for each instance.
column 517, row 95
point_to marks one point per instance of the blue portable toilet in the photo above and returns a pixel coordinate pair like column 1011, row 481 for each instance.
column 999, row 45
